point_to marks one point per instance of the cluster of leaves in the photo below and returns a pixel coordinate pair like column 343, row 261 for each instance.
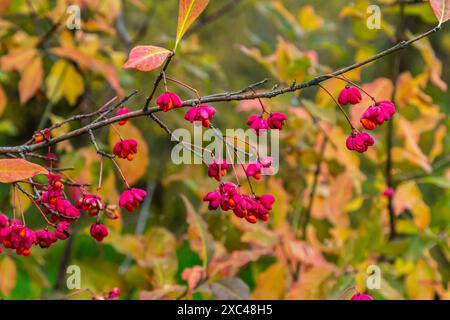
column 49, row 73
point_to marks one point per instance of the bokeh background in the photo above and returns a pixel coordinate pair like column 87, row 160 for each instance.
column 151, row 253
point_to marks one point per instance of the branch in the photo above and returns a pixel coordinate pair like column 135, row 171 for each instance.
column 241, row 95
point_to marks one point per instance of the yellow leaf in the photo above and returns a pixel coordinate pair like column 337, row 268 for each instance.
column 421, row 213
column 408, row 196
column 412, row 150
column 64, row 80
column 25, row 202
column 309, row 20
column 434, row 65
column 136, row 169
column 419, row 283
column 7, row 276
column 439, row 137
column 271, row 284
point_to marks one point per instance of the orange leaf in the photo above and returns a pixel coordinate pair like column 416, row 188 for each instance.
column 3, row 100
column 189, row 10
column 8, row 276
column 31, row 79
column 12, row 170
column 441, row 9
column 146, row 58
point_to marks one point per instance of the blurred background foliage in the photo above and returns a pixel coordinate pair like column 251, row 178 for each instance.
column 48, row 73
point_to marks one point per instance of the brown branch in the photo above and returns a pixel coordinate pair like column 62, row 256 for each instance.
column 223, row 97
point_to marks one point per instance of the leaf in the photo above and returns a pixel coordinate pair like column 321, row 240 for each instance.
column 441, row 9
column 8, row 275
column 308, row 18
column 18, row 59
column 192, row 276
column 228, row 265
column 412, row 150
column 146, row 58
column 438, row 143
column 85, row 61
column 189, row 11
column 434, row 65
column 271, row 284
column 443, row 182
column 3, row 100
column 25, row 202
column 230, row 289
column 408, row 196
column 310, row 284
column 136, row 169
column 200, row 240
column 31, row 79
column 13, row 170
column 419, row 282
column 64, row 80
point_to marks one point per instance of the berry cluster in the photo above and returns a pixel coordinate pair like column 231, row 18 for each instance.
column 15, row 235
column 55, row 203
column 275, row 120
column 228, row 197
column 374, row 115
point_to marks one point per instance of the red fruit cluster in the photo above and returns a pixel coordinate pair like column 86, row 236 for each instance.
column 168, row 101
column 125, row 149
column 350, row 95
column 218, row 168
column 201, row 113
column 374, row 116
column 378, row 113
column 91, row 203
column 98, row 231
column 255, row 169
column 55, row 203
column 16, row 236
column 274, row 121
column 40, row 136
column 228, row 197
column 359, row 142
column 131, row 198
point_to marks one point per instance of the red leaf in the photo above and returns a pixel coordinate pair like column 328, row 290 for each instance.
column 146, row 58
column 438, row 6
column 13, row 170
